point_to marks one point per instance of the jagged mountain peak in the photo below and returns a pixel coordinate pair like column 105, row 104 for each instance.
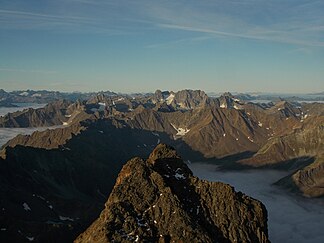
column 164, row 202
column 163, row 151
column 286, row 109
column 228, row 101
column 227, row 94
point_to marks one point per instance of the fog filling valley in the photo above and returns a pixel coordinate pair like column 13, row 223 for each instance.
column 291, row 219
column 8, row 133
column 20, row 107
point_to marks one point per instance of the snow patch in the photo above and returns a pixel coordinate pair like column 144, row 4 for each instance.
column 26, row 207
column 24, row 94
column 68, row 116
column 169, row 99
column 30, row 238
column 37, row 95
column 224, row 135
column 65, row 218
column 155, row 134
column 180, row 131
column 137, row 238
column 182, row 105
column 260, row 124
column 179, row 176
column 223, row 105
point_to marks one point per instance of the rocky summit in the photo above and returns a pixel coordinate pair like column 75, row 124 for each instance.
column 159, row 200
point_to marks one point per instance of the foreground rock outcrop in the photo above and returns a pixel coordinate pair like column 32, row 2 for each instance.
column 159, row 200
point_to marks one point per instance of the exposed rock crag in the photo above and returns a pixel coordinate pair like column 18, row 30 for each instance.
column 159, row 200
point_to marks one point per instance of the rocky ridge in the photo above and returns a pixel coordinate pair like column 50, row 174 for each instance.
column 7, row 99
column 224, row 128
column 52, row 114
column 102, row 133
column 159, row 200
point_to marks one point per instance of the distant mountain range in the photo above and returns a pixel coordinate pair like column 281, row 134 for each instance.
column 8, row 99
column 63, row 176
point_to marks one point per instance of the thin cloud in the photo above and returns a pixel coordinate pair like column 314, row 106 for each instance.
column 297, row 22
column 31, row 20
column 273, row 38
column 48, row 16
column 180, row 41
column 27, row 71
column 81, row 21
column 289, row 22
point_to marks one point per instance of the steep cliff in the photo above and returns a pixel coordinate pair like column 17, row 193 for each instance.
column 159, row 200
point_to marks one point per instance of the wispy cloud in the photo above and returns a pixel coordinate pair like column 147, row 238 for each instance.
column 296, row 23
column 179, row 41
column 33, row 20
column 27, row 71
column 71, row 23
column 299, row 22
column 257, row 36
column 40, row 15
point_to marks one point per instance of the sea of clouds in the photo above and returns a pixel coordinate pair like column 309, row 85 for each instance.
column 8, row 133
column 291, row 219
column 21, row 106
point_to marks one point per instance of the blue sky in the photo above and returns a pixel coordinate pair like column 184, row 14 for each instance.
column 144, row 45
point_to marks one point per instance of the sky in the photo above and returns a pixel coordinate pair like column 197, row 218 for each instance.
column 144, row 45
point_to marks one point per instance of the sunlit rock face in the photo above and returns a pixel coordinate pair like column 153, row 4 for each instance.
column 159, row 200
